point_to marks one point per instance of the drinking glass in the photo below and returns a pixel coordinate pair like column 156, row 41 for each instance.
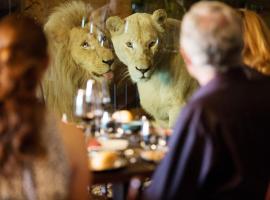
column 84, row 107
column 81, row 111
column 150, row 138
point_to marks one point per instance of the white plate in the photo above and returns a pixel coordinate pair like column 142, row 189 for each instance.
column 110, row 145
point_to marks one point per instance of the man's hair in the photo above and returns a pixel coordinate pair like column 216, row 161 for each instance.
column 211, row 34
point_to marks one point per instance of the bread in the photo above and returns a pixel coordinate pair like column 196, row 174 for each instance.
column 152, row 155
column 122, row 116
column 103, row 160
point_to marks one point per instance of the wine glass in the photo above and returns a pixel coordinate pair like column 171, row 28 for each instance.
column 106, row 98
column 84, row 106
column 81, row 113
column 104, row 105
column 97, row 97
column 149, row 140
column 99, row 35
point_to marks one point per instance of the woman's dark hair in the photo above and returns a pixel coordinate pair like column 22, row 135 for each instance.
column 22, row 63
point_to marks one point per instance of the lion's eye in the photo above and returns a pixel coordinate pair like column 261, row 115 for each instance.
column 129, row 45
column 85, row 45
column 152, row 43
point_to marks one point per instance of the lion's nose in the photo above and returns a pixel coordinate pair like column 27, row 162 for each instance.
column 143, row 70
column 108, row 62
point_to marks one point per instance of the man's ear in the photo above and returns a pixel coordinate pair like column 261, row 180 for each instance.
column 160, row 17
column 115, row 25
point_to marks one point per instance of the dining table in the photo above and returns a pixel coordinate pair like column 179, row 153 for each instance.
column 120, row 178
column 136, row 165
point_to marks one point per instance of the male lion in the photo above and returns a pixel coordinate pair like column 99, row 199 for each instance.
column 76, row 56
column 148, row 45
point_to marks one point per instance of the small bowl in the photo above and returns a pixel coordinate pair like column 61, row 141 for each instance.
column 132, row 126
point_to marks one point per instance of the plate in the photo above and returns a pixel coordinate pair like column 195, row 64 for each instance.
column 110, row 145
column 153, row 155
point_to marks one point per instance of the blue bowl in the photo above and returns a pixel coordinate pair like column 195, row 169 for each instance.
column 132, row 126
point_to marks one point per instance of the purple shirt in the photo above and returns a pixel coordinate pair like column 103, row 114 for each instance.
column 220, row 148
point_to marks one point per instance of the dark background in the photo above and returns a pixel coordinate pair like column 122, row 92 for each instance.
column 175, row 8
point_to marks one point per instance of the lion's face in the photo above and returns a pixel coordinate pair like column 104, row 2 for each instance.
column 137, row 42
column 91, row 52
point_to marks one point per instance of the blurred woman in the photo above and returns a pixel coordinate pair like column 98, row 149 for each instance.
column 256, row 53
column 39, row 158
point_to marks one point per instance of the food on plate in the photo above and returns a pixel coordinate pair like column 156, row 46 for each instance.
column 114, row 144
column 103, row 160
column 122, row 116
column 152, row 155
column 107, row 144
column 93, row 143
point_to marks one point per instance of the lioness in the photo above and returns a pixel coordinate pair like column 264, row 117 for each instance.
column 148, row 45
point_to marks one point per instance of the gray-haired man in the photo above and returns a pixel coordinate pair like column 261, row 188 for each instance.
column 220, row 148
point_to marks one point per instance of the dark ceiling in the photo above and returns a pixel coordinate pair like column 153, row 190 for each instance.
column 7, row 6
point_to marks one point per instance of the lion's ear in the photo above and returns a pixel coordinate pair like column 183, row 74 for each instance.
column 160, row 17
column 115, row 25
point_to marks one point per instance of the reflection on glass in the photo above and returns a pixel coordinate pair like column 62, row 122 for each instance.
column 79, row 103
column 106, row 98
column 91, row 30
column 89, row 90
column 97, row 32
column 83, row 22
column 126, row 27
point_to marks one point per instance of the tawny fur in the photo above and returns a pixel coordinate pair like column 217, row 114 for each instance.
column 71, row 64
column 154, row 38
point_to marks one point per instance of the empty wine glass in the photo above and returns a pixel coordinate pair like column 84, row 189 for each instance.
column 84, row 107
column 94, row 101
column 80, row 112
column 99, row 35
column 106, row 98
column 80, row 104
column 149, row 140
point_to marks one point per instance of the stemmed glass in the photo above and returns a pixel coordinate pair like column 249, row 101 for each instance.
column 84, row 107
column 106, row 125
column 106, row 98
column 151, row 137
column 92, row 106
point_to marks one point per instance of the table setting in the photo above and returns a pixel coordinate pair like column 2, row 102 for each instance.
column 119, row 145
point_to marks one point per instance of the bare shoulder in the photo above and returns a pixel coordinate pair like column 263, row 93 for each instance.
column 71, row 132
column 73, row 139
